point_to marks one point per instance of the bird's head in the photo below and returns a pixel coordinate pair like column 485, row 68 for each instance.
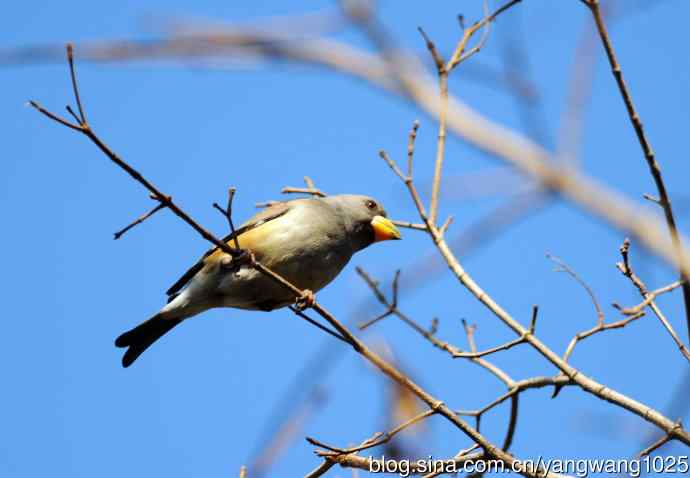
column 365, row 219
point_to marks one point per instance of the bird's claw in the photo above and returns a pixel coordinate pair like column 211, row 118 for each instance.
column 306, row 300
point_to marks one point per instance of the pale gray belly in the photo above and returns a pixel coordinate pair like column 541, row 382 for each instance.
column 250, row 289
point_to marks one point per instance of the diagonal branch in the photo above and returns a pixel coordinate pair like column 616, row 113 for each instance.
column 137, row 221
column 651, row 296
column 385, row 367
column 376, row 440
column 429, row 335
column 654, row 168
column 563, row 267
column 584, row 382
column 399, row 74
column 626, row 269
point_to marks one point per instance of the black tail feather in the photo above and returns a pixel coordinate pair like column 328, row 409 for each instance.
column 142, row 336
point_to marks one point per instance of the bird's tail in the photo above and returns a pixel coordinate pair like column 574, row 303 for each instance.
column 143, row 336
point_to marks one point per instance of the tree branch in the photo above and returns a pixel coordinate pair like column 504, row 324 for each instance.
column 386, row 368
column 654, row 168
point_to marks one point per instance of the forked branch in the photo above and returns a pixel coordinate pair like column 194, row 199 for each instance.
column 388, row 369
column 650, row 157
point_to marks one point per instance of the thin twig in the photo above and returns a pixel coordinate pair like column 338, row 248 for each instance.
column 137, row 221
column 626, row 269
column 586, row 383
column 659, row 443
column 409, row 182
column 411, row 138
column 75, row 89
column 310, row 189
column 650, row 157
column 55, row 117
column 405, row 79
column 458, row 54
column 320, row 326
column 600, row 327
column 377, row 440
column 517, row 388
column 385, row 367
column 366, row 463
column 499, row 348
column 443, row 113
column 321, row 469
column 444, row 227
column 227, row 212
column 460, row 455
column 651, row 296
column 410, row 225
column 293, row 190
column 392, row 165
column 392, row 309
column 567, row 269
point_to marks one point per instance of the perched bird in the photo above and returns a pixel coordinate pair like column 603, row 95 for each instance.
column 307, row 241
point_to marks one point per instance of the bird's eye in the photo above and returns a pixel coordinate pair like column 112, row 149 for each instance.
column 371, row 204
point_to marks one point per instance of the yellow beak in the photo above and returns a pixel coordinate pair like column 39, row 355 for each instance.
column 384, row 230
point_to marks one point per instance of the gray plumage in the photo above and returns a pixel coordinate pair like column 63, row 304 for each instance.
column 307, row 241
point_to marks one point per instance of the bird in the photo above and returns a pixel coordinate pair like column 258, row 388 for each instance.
column 307, row 241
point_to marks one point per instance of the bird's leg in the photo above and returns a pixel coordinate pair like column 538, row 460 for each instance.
column 306, row 300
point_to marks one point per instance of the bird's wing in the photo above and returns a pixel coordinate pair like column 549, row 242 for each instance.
column 268, row 214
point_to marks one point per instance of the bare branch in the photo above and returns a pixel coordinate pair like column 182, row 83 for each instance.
column 600, row 327
column 392, row 309
column 409, row 80
column 367, row 462
column 586, row 383
column 75, row 89
column 388, row 369
column 410, row 225
column 435, row 55
column 459, row 456
column 567, row 269
column 648, row 300
column 659, row 443
column 410, row 146
column 470, row 329
column 376, row 440
column 459, row 53
column 391, row 164
column 626, row 270
column 139, row 220
column 499, row 348
column 55, row 117
column 301, row 314
column 324, row 467
column 307, row 190
column 444, row 227
column 650, row 157
column 227, row 213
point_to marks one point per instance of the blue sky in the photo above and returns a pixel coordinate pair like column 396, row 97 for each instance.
column 196, row 404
